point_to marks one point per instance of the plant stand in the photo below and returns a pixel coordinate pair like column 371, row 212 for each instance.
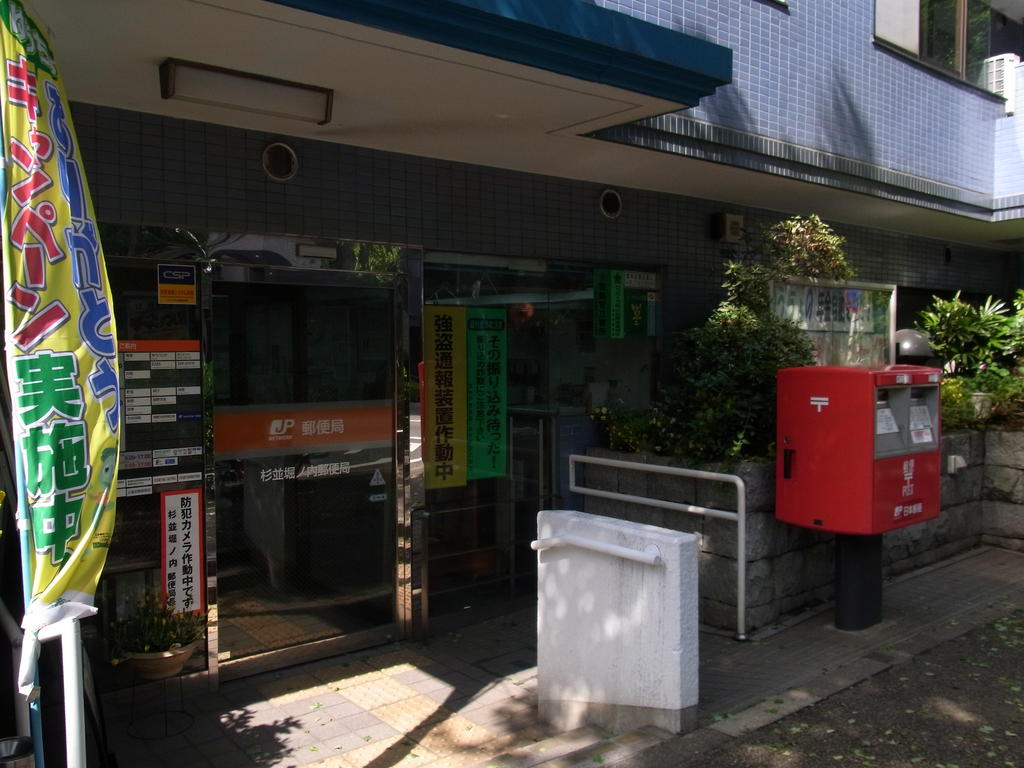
column 162, row 669
column 170, row 717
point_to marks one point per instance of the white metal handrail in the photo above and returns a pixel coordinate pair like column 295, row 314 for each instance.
column 651, row 557
column 739, row 516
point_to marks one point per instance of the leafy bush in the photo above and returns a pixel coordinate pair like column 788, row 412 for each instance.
column 794, row 247
column 1008, row 403
column 623, row 429
column 722, row 401
column 807, row 247
column 981, row 349
column 958, row 411
column 971, row 339
column 1005, row 391
column 719, row 402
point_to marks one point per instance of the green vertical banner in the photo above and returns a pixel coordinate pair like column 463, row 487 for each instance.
column 609, row 304
column 487, row 392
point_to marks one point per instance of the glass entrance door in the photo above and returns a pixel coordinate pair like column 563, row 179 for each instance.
column 304, row 441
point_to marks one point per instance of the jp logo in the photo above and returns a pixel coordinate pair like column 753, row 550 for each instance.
column 280, row 427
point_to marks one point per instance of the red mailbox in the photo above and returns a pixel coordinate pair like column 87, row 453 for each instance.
column 858, row 448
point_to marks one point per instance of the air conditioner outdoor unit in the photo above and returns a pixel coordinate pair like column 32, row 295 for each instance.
column 1001, row 78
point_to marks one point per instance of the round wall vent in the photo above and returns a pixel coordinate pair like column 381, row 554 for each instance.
column 611, row 204
column 280, row 162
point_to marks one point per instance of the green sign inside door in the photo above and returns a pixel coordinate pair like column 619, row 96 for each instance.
column 487, row 392
column 609, row 304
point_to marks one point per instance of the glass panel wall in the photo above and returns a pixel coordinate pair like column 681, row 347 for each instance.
column 558, row 367
column 265, row 382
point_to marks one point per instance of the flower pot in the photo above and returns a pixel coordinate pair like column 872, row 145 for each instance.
column 158, row 665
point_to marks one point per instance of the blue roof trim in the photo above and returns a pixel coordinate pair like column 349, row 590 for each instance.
column 570, row 37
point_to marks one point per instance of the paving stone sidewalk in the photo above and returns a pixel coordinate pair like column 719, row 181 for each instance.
column 466, row 698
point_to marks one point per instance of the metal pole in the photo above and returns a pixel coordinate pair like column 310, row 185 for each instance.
column 35, row 707
column 74, row 692
column 13, row 632
column 741, row 558
column 421, row 519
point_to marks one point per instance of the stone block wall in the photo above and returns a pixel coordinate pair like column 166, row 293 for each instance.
column 1003, row 504
column 791, row 568
column 959, row 527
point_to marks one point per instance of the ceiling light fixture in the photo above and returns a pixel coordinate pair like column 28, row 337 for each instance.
column 220, row 87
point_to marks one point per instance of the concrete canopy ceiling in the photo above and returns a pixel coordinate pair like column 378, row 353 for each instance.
column 400, row 94
column 1013, row 9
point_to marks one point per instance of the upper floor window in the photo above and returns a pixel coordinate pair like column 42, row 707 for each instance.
column 953, row 35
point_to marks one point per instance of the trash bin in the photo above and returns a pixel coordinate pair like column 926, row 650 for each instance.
column 16, row 752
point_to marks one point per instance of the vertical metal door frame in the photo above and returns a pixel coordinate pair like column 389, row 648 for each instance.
column 409, row 588
column 209, row 477
column 403, row 502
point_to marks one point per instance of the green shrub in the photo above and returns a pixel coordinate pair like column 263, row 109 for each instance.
column 722, row 402
column 1008, row 403
column 794, row 247
column 970, row 339
column 958, row 411
column 719, row 402
column 623, row 429
column 807, row 247
column 981, row 349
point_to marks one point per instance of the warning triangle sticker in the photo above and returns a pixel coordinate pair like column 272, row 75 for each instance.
column 378, row 478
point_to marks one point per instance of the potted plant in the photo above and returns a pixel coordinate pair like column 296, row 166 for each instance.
column 155, row 641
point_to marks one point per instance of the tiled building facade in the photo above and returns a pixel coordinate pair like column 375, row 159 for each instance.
column 812, row 98
column 811, row 75
column 514, row 117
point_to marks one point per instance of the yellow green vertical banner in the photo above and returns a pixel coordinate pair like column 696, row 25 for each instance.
column 61, row 345
column 444, row 408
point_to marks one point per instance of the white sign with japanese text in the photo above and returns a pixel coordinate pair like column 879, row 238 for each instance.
column 182, row 549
